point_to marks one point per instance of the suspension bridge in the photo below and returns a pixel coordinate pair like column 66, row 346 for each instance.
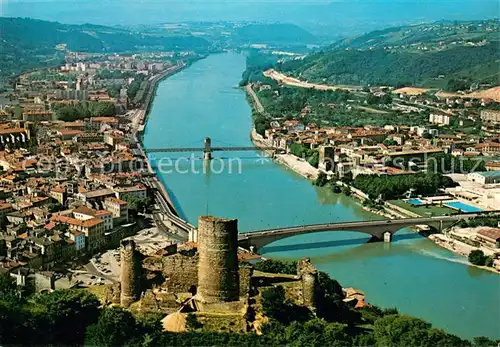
column 208, row 149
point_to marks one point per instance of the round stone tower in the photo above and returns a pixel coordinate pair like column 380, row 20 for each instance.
column 130, row 273
column 218, row 279
column 309, row 278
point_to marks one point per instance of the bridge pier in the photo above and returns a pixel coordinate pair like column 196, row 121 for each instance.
column 388, row 237
column 207, row 151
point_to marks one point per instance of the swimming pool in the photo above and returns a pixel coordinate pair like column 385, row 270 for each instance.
column 457, row 205
column 415, row 201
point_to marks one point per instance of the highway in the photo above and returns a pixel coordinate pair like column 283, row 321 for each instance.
column 137, row 118
column 166, row 210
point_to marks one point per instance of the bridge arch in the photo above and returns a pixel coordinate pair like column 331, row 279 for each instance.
column 256, row 243
column 375, row 229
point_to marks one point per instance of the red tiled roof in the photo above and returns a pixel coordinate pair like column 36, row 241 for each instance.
column 492, row 233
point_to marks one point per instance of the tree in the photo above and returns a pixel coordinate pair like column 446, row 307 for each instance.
column 85, row 109
column 395, row 330
column 55, row 207
column 114, row 90
column 114, row 328
column 489, row 261
column 192, row 322
column 273, row 303
column 277, row 266
column 276, row 306
column 322, row 179
column 482, row 341
column 12, row 318
column 62, row 316
column 136, row 204
column 261, row 123
column 389, row 142
column 477, row 257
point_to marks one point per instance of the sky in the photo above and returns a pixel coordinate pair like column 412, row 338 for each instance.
column 341, row 14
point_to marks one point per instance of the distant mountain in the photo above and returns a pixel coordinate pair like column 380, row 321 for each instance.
column 442, row 55
column 321, row 17
column 36, row 34
column 26, row 43
column 273, row 34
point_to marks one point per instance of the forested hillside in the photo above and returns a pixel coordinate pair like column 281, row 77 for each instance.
column 273, row 33
column 418, row 55
column 29, row 43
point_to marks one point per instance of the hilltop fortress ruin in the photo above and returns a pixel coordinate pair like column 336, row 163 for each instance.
column 208, row 278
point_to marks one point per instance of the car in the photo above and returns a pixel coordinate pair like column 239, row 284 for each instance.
column 92, row 277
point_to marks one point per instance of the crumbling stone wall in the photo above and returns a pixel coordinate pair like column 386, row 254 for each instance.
column 246, row 272
column 218, row 279
column 180, row 272
column 309, row 278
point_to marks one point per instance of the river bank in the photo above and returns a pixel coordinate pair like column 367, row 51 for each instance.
column 412, row 273
column 451, row 241
column 154, row 85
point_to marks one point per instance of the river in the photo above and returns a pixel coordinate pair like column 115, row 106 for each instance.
column 411, row 274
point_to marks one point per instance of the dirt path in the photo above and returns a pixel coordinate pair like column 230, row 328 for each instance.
column 371, row 110
column 294, row 82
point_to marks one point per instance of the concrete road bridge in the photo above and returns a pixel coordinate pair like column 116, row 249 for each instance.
column 378, row 229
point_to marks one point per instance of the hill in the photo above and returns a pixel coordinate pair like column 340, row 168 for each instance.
column 432, row 36
column 446, row 55
column 273, row 33
column 27, row 43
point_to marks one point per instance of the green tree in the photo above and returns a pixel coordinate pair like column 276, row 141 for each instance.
column 276, row 306
column 114, row 90
column 192, row 322
column 482, row 341
column 277, row 266
column 489, row 261
column 114, row 328
column 13, row 319
column 395, row 330
column 55, row 207
column 62, row 316
column 477, row 257
column 136, row 204
column 322, row 179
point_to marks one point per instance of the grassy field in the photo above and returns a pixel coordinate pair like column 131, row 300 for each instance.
column 423, row 210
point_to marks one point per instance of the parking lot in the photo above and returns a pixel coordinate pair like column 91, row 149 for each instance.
column 105, row 267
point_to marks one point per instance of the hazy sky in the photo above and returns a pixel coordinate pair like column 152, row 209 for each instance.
column 349, row 14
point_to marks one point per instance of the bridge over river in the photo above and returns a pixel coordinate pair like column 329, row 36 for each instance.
column 378, row 229
column 207, row 149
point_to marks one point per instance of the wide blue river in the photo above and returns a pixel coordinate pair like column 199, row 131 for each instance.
column 411, row 274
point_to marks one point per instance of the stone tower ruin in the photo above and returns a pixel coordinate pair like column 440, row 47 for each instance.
column 309, row 278
column 218, row 278
column 130, row 273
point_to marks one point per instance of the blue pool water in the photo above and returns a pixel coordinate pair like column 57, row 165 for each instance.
column 464, row 207
column 415, row 201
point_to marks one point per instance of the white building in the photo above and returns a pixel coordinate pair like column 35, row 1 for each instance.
column 487, row 177
column 492, row 116
column 443, row 119
column 118, row 208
